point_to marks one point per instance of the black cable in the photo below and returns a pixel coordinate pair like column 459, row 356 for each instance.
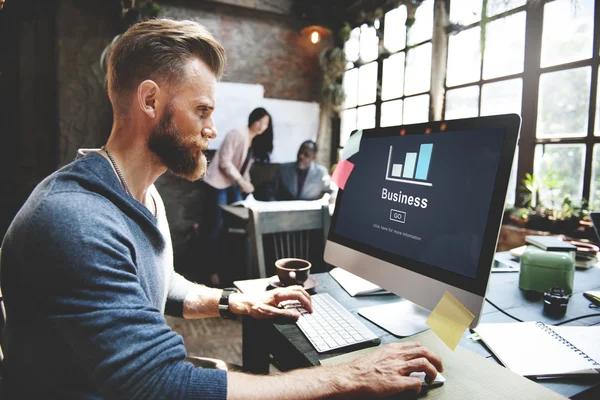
column 502, row 311
column 575, row 319
column 560, row 323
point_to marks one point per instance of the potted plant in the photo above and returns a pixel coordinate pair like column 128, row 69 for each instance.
column 555, row 215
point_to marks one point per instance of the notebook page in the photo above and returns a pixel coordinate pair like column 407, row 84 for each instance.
column 585, row 338
column 529, row 350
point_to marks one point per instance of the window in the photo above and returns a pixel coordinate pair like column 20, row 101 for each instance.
column 486, row 62
column 406, row 72
column 401, row 72
column 462, row 103
column 566, row 140
column 563, row 103
column 561, row 165
column 360, row 82
column 568, row 31
column 464, row 57
column 495, row 64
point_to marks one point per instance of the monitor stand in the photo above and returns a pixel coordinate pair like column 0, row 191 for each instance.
column 403, row 318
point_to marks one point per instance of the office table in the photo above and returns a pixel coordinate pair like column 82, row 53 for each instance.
column 290, row 349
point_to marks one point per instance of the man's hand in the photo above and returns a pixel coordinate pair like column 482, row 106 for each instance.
column 385, row 371
column 265, row 305
column 378, row 374
column 245, row 186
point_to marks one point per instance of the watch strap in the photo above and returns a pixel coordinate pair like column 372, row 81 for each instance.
column 224, row 310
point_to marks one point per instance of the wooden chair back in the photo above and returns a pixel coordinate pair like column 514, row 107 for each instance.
column 283, row 234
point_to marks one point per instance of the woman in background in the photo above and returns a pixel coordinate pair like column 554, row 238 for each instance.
column 228, row 174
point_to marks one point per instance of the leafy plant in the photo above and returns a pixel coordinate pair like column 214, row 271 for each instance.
column 559, row 216
column 534, row 186
column 333, row 64
column 568, row 210
column 344, row 32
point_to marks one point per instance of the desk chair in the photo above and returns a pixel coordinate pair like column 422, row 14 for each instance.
column 282, row 234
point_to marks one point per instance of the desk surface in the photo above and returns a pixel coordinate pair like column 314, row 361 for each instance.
column 239, row 212
column 292, row 350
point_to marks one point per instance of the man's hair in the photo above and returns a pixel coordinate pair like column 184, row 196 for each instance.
column 158, row 49
column 310, row 144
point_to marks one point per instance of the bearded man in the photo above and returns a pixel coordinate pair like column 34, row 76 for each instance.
column 87, row 263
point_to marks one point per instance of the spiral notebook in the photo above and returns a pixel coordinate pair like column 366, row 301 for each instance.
column 538, row 350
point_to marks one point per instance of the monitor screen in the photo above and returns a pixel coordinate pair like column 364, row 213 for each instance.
column 423, row 197
column 428, row 200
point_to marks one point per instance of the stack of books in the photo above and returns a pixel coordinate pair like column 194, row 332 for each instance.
column 586, row 254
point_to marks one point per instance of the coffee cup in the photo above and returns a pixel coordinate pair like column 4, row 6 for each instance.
column 292, row 271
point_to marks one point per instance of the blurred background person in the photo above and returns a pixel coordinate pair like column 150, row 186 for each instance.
column 228, row 174
column 303, row 179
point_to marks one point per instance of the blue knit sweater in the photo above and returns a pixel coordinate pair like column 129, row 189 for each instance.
column 86, row 277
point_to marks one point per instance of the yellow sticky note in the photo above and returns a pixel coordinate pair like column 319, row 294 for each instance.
column 449, row 319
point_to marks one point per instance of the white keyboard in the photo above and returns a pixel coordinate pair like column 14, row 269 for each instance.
column 330, row 326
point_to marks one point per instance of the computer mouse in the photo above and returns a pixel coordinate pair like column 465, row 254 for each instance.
column 438, row 381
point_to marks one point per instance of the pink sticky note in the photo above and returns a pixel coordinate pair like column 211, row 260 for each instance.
column 341, row 173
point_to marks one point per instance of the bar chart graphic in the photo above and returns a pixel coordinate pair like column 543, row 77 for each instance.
column 415, row 167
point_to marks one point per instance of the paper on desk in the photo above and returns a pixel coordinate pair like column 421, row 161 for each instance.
column 352, row 146
column 449, row 320
column 341, row 173
column 289, row 205
column 468, row 375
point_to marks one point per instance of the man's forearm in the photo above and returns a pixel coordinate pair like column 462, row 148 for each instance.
column 303, row 384
column 201, row 302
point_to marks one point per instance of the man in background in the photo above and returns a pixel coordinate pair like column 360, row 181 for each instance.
column 303, row 179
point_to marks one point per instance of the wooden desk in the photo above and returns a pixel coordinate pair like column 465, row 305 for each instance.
column 290, row 349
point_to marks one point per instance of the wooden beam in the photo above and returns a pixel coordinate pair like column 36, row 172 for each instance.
column 283, row 7
column 439, row 54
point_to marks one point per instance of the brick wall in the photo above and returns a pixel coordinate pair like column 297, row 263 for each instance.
column 261, row 48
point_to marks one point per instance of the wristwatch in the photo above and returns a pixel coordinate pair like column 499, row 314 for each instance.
column 224, row 310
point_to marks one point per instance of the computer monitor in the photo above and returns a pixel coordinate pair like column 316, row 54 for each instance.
column 420, row 212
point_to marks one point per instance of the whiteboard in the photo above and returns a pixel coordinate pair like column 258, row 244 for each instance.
column 293, row 123
column 235, row 102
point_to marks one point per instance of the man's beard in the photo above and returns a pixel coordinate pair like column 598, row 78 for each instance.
column 184, row 159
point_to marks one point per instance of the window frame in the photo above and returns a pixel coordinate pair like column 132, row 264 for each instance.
column 378, row 100
column 532, row 71
column 529, row 106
